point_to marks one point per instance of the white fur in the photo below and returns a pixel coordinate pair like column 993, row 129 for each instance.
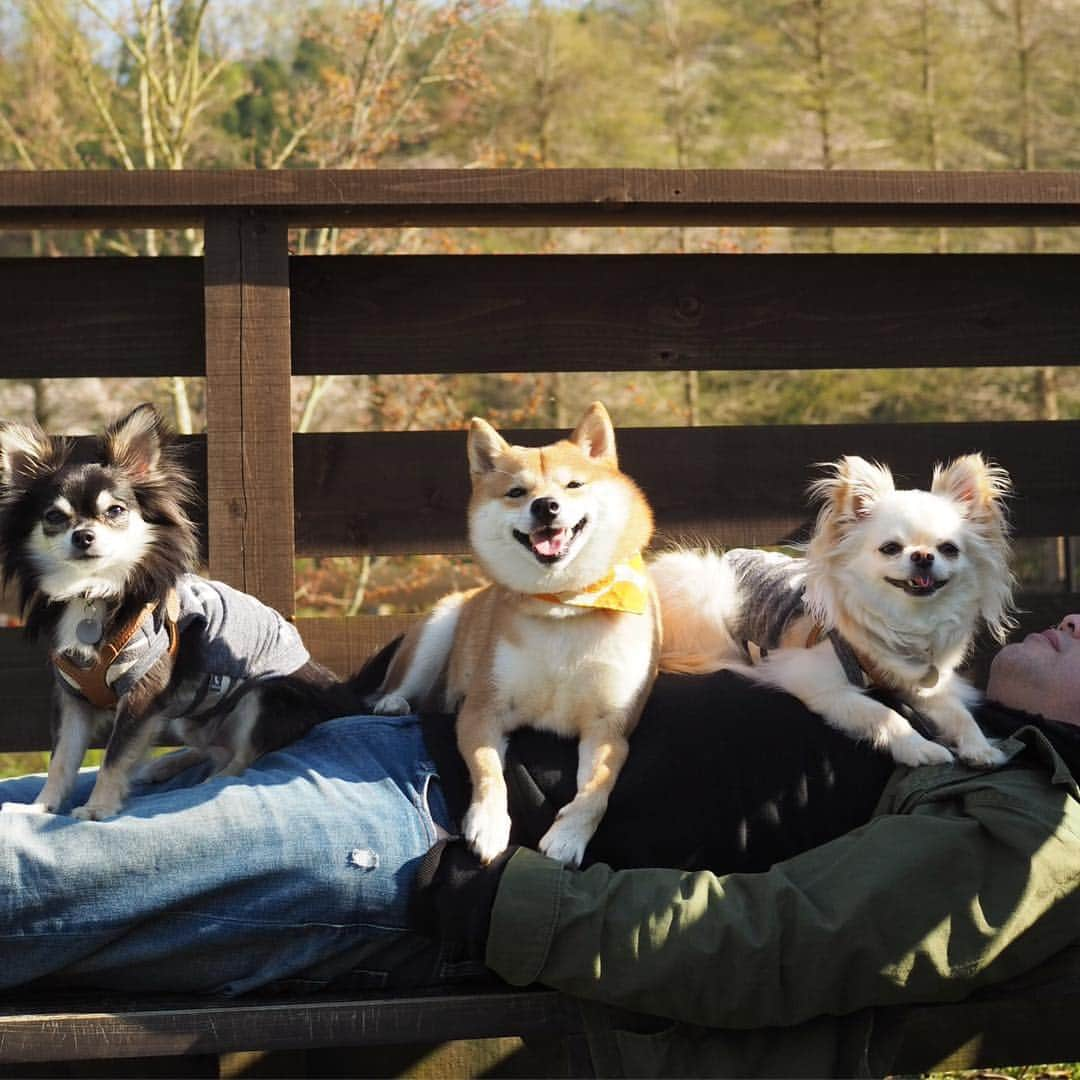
column 117, row 553
column 544, row 666
column 848, row 589
column 698, row 601
column 74, row 735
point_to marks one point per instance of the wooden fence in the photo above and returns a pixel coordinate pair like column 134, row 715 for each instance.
column 247, row 315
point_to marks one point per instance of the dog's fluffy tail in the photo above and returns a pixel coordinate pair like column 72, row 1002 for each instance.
column 697, row 593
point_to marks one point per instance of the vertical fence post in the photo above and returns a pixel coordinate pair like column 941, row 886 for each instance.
column 248, row 417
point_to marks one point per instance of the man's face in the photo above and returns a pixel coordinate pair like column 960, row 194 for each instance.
column 1041, row 674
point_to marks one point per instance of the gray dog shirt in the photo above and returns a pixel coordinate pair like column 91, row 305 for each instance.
column 239, row 638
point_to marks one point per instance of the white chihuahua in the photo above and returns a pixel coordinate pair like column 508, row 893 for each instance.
column 889, row 594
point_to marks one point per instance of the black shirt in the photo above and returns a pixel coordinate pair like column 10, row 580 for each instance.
column 723, row 774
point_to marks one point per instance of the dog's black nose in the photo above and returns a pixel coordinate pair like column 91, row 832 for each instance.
column 922, row 558
column 545, row 510
column 83, row 538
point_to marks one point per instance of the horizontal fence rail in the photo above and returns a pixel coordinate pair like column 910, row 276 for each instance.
column 399, row 314
column 382, row 197
column 400, row 492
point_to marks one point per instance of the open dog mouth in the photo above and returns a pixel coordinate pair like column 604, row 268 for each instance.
column 919, row 585
column 550, row 543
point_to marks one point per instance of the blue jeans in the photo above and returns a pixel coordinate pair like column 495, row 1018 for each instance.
column 297, row 873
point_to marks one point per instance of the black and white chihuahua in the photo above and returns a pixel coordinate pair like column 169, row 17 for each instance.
column 97, row 535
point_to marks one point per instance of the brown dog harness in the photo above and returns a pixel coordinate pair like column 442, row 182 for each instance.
column 91, row 681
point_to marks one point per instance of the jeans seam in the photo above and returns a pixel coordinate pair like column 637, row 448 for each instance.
column 232, row 921
column 423, row 803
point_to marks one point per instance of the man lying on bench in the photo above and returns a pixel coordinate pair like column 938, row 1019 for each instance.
column 805, row 878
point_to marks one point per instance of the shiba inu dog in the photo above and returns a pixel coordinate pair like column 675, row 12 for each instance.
column 891, row 590
column 565, row 638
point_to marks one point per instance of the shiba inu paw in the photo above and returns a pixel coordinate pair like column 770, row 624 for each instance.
column 913, row 749
column 487, row 829
column 391, row 705
column 94, row 813
column 565, row 841
column 979, row 754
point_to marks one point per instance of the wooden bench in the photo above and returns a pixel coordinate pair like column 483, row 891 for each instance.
column 247, row 315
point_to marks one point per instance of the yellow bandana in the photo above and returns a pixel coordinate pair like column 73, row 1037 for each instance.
column 623, row 588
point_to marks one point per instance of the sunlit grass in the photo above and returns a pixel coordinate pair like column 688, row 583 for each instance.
column 1018, row 1072
column 36, row 761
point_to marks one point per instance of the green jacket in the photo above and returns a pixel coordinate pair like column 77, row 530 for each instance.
column 961, row 879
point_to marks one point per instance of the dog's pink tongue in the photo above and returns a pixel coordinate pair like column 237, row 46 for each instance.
column 549, row 542
column 924, row 582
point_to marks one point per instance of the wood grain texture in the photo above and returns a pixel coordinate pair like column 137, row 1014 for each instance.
column 1029, row 1026
column 400, row 314
column 122, row 318
column 343, row 644
column 26, row 683
column 406, row 492
column 100, row 1028
column 544, row 197
column 248, row 418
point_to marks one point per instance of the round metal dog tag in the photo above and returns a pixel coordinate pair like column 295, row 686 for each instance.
column 930, row 678
column 89, row 630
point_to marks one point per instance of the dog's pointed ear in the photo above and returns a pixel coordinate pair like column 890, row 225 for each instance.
column 976, row 485
column 134, row 442
column 864, row 483
column 26, row 453
column 851, row 488
column 595, row 435
column 484, row 445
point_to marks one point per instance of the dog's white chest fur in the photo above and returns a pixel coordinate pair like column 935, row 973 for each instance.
column 555, row 674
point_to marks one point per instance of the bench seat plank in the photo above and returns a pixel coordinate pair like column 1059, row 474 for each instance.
column 86, row 1028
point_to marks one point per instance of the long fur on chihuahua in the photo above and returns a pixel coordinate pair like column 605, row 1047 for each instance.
column 564, row 638
column 97, row 535
column 890, row 593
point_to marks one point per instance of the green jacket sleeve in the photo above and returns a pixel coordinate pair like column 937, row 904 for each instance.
column 961, row 879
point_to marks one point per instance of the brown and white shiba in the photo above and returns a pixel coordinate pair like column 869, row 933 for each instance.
column 565, row 638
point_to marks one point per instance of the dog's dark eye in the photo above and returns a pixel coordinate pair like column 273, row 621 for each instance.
column 891, row 548
column 115, row 511
column 949, row 550
column 575, row 484
column 54, row 517
column 515, row 493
